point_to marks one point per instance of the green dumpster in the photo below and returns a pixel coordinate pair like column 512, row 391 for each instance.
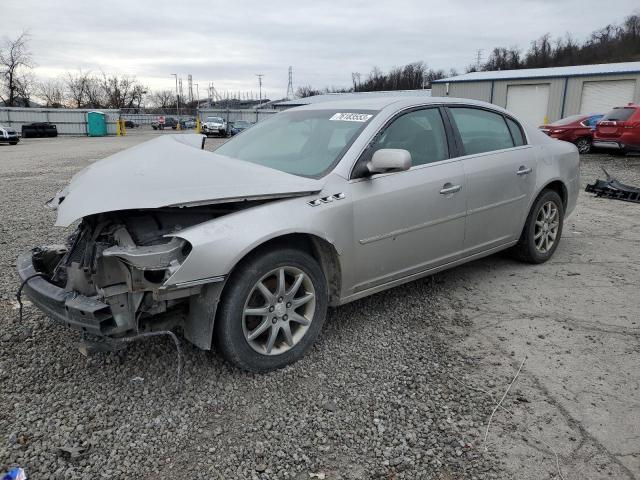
column 96, row 124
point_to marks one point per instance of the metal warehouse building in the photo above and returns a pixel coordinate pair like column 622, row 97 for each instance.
column 541, row 95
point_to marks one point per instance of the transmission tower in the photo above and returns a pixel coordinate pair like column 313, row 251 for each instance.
column 259, row 75
column 290, row 85
column 479, row 57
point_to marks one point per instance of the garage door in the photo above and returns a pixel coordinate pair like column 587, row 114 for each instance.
column 529, row 102
column 600, row 97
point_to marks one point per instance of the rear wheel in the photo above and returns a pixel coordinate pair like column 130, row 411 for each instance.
column 542, row 230
column 584, row 145
column 272, row 311
column 13, row 143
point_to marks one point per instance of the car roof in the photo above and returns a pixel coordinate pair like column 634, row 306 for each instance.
column 400, row 102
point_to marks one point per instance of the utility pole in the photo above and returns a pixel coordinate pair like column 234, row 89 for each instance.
column 177, row 96
column 290, row 85
column 260, row 75
column 479, row 57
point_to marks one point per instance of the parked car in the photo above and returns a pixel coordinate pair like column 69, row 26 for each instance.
column 214, row 126
column 577, row 129
column 619, row 130
column 8, row 135
column 188, row 123
column 316, row 206
column 239, row 126
column 39, row 129
column 130, row 124
column 169, row 122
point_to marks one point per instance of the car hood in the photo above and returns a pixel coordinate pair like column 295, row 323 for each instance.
column 171, row 171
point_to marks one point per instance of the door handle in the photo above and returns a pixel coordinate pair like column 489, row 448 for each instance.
column 448, row 188
column 524, row 171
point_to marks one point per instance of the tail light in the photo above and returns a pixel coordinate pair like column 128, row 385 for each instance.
column 631, row 124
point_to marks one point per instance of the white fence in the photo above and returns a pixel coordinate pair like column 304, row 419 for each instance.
column 67, row 121
column 74, row 121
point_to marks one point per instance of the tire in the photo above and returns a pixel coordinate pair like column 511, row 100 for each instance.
column 13, row 143
column 528, row 248
column 622, row 152
column 584, row 145
column 233, row 328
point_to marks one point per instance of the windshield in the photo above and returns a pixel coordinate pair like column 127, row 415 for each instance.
column 567, row 120
column 304, row 142
column 620, row 114
column 241, row 123
column 214, row 119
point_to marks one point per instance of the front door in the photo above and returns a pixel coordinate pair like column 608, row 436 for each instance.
column 408, row 222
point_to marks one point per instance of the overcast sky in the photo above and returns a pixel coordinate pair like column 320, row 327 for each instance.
column 228, row 42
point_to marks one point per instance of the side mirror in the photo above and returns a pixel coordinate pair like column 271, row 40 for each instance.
column 389, row 160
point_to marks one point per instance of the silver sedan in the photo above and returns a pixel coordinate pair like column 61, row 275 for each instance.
column 248, row 246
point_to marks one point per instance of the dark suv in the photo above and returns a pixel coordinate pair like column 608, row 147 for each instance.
column 169, row 122
column 619, row 130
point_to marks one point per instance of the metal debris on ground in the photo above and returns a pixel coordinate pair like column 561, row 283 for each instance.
column 73, row 453
column 612, row 188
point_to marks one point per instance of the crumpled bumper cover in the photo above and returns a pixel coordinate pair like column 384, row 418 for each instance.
column 74, row 310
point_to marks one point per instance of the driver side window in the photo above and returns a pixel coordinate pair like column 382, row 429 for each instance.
column 421, row 132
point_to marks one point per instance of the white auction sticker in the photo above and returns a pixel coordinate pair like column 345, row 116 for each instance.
column 351, row 117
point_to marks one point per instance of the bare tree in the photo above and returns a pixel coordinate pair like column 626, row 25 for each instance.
column 122, row 92
column 76, row 85
column 51, row 92
column 15, row 65
column 163, row 99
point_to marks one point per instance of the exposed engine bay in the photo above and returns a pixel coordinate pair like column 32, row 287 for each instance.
column 115, row 265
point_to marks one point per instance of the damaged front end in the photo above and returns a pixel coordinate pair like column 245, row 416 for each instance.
column 111, row 278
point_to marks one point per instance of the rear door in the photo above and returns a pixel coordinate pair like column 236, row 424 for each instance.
column 408, row 222
column 500, row 173
column 613, row 123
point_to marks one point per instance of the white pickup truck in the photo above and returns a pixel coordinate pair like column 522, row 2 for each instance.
column 215, row 126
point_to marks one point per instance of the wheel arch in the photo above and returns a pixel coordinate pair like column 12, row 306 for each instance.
column 322, row 250
column 557, row 186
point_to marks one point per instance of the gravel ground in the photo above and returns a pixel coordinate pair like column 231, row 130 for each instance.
column 386, row 392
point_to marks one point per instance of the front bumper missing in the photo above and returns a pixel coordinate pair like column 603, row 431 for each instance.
column 80, row 312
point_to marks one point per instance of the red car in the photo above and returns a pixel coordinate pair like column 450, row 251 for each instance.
column 577, row 129
column 619, row 130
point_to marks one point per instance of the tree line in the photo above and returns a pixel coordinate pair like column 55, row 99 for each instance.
column 613, row 43
column 18, row 86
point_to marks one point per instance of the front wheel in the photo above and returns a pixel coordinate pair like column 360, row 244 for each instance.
column 272, row 310
column 584, row 145
column 542, row 230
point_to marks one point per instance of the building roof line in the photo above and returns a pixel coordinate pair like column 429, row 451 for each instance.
column 605, row 69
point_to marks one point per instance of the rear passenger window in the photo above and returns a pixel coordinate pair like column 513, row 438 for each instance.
column 516, row 132
column 421, row 133
column 481, row 130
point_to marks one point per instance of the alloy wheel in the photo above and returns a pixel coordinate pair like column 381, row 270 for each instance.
column 546, row 228
column 583, row 145
column 278, row 311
